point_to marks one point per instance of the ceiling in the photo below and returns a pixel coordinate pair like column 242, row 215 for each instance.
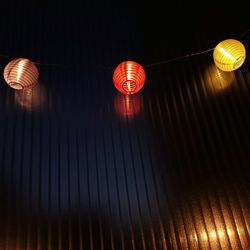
column 84, row 167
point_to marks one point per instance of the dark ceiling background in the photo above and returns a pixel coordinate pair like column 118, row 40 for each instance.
column 83, row 167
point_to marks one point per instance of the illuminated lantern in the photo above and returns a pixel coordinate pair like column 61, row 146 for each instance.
column 129, row 77
column 229, row 55
column 21, row 73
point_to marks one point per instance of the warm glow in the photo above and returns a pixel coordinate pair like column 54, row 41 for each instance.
column 21, row 73
column 128, row 106
column 209, row 223
column 195, row 237
column 230, row 232
column 226, row 54
column 31, row 98
column 216, row 80
column 204, row 236
column 20, row 68
column 229, row 55
column 129, row 77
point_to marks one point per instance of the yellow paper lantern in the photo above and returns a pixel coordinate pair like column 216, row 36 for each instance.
column 21, row 73
column 229, row 55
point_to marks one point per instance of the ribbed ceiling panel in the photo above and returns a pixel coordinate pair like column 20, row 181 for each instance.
column 83, row 167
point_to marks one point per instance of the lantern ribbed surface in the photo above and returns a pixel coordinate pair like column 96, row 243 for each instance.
column 21, row 73
column 229, row 55
column 129, row 77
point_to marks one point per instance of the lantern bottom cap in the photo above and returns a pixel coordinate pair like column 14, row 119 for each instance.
column 129, row 86
column 16, row 85
column 239, row 61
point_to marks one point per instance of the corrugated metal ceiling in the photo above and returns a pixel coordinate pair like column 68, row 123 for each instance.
column 83, row 167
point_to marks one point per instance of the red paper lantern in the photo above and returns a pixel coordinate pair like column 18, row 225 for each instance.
column 21, row 73
column 129, row 77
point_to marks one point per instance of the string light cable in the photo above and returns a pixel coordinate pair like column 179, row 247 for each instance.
column 177, row 58
column 128, row 76
column 239, row 37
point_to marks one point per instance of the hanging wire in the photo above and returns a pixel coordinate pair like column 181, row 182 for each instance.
column 178, row 58
column 38, row 63
column 241, row 36
column 5, row 56
column 52, row 64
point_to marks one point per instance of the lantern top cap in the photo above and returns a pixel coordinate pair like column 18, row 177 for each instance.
column 129, row 61
column 230, row 40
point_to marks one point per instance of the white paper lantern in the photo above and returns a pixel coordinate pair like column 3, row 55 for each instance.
column 21, row 73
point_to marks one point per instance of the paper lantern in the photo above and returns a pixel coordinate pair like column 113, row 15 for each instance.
column 129, row 77
column 229, row 55
column 21, row 73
